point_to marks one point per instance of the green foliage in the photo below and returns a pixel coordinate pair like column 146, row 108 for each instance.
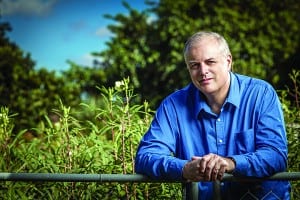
column 85, row 78
column 147, row 46
column 7, row 141
column 105, row 144
column 101, row 134
column 30, row 93
column 291, row 109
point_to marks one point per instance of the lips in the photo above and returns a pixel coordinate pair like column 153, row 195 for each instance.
column 206, row 80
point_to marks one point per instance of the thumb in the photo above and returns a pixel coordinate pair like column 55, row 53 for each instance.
column 196, row 157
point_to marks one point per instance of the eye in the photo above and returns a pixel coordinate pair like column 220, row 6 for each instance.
column 194, row 65
column 211, row 62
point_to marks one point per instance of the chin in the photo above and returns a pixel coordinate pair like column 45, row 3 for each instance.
column 206, row 91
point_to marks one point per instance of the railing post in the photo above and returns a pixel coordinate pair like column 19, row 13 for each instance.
column 217, row 190
column 184, row 193
column 190, row 191
column 194, row 190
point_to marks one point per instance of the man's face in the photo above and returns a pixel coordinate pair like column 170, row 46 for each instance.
column 209, row 67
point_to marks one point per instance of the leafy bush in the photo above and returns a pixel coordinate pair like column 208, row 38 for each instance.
column 105, row 143
column 291, row 108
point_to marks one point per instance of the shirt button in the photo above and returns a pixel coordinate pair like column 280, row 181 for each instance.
column 220, row 140
column 219, row 119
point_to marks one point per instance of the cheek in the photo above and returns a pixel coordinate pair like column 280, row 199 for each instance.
column 193, row 74
column 223, row 70
column 228, row 68
column 221, row 74
column 224, row 76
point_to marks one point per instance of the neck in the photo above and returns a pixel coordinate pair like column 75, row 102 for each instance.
column 217, row 99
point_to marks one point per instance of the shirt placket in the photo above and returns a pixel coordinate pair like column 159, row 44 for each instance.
column 220, row 141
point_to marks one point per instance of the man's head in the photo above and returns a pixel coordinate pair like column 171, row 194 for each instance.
column 208, row 60
column 223, row 45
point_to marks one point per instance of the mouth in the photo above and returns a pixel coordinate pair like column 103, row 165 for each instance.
column 206, row 80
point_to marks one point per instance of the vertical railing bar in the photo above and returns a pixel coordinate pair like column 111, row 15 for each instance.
column 184, row 194
column 217, row 190
column 194, row 191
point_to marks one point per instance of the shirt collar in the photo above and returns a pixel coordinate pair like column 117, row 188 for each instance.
column 233, row 96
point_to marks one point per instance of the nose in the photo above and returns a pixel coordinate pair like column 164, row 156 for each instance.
column 203, row 69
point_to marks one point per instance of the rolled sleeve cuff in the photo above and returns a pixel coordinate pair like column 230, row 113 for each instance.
column 241, row 165
column 176, row 169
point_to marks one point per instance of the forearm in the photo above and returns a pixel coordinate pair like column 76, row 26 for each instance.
column 261, row 163
column 159, row 167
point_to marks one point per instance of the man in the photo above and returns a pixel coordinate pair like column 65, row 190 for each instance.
column 220, row 123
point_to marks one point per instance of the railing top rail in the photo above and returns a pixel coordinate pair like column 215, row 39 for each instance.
column 292, row 176
column 62, row 177
column 65, row 177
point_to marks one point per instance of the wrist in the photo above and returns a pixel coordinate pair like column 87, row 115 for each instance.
column 184, row 171
column 231, row 164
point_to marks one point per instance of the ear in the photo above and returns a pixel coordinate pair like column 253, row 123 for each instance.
column 229, row 62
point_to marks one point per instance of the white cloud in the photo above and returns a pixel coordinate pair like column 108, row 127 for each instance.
column 87, row 60
column 28, row 7
column 103, row 32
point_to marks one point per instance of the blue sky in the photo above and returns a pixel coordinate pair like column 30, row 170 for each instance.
column 54, row 31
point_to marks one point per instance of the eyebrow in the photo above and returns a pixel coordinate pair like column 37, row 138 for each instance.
column 194, row 61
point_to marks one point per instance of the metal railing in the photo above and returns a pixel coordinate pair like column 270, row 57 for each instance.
column 125, row 178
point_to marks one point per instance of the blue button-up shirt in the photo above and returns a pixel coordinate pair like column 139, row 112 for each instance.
column 250, row 129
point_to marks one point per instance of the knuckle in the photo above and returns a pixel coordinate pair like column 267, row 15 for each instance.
column 209, row 167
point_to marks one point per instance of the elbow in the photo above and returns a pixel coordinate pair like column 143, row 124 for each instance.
column 141, row 166
column 282, row 160
column 137, row 165
column 281, row 164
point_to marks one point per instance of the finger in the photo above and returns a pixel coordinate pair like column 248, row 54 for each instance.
column 212, row 167
column 203, row 164
column 218, row 170
column 199, row 178
column 192, row 170
column 215, row 174
column 221, row 174
column 223, row 167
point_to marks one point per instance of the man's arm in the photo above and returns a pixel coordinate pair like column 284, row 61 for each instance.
column 270, row 155
column 155, row 154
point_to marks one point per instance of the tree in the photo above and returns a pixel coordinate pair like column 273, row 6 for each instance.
column 262, row 36
column 30, row 93
column 86, row 78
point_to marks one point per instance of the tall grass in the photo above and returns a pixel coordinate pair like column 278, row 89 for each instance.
column 104, row 141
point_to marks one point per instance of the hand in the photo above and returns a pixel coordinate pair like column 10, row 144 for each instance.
column 210, row 167
column 213, row 166
column 191, row 170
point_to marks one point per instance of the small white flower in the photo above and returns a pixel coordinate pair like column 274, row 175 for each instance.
column 118, row 84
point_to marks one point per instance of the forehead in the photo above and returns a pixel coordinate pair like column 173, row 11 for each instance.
column 204, row 49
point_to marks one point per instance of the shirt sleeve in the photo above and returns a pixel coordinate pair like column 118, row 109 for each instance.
column 270, row 155
column 156, row 153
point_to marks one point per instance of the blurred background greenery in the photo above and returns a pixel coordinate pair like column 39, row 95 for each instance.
column 263, row 36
